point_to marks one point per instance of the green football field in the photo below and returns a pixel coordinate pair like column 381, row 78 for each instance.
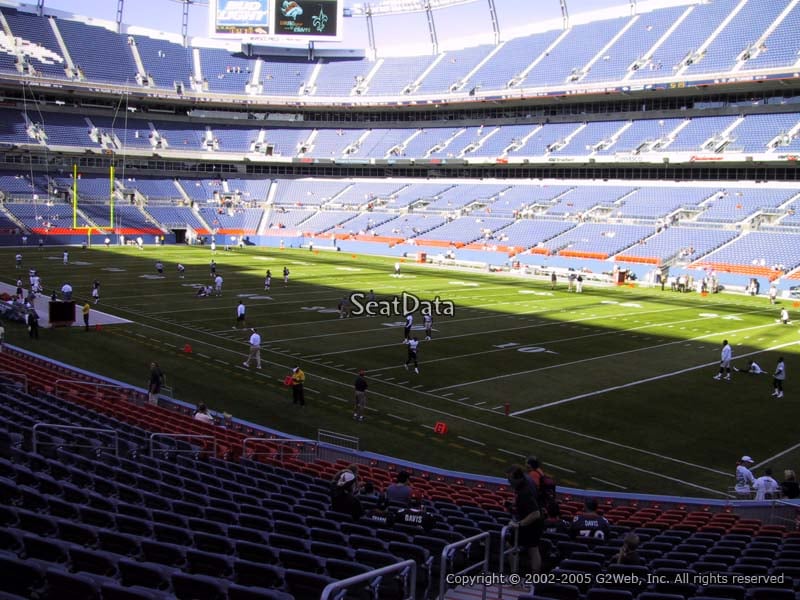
column 612, row 388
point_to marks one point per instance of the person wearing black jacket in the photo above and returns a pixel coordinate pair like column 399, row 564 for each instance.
column 360, row 396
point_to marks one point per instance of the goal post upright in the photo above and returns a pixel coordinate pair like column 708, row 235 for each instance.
column 111, row 196
column 74, row 196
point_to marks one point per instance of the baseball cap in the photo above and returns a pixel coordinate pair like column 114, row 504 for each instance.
column 747, row 459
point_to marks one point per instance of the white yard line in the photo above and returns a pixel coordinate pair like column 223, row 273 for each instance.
column 471, row 441
column 611, row 483
column 507, row 432
column 776, row 456
column 477, row 333
column 602, row 357
column 641, row 381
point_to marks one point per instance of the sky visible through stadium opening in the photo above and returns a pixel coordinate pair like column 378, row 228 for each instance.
column 165, row 15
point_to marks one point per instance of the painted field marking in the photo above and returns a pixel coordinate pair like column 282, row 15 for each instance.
column 594, row 358
column 611, row 483
column 641, row 381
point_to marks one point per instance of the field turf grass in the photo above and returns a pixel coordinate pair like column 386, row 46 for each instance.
column 612, row 388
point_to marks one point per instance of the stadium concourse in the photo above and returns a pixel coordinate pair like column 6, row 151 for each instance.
column 644, row 157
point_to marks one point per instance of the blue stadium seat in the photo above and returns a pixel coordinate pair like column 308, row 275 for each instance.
column 119, row 543
column 326, row 550
column 117, row 592
column 256, row 574
column 259, row 553
column 209, row 563
column 238, row 592
column 199, row 586
column 163, row 553
column 98, row 562
column 75, row 586
column 28, row 579
column 48, row 550
column 145, row 574
column 306, row 585
column 301, row 561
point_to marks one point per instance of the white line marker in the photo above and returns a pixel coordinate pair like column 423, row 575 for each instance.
column 203, row 355
column 462, row 399
column 639, row 382
column 398, row 418
column 338, row 398
column 466, row 439
column 611, row 483
column 778, row 455
column 511, row 453
column 496, row 407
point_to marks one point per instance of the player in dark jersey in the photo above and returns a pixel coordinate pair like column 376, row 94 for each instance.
column 413, row 344
column 407, row 330
column 590, row 524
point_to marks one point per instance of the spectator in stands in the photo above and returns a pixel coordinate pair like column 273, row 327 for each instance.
column 527, row 517
column 156, row 381
column 628, row 554
column 344, row 493
column 400, row 491
column 744, row 477
column 555, row 523
column 789, row 486
column 765, row 486
column 590, row 524
column 202, row 414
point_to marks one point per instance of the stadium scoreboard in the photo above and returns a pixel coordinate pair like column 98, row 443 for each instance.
column 252, row 21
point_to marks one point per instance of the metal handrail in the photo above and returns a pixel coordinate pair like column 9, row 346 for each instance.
column 280, row 442
column 38, row 426
column 181, row 435
column 15, row 374
column 346, row 583
column 514, row 551
column 447, row 551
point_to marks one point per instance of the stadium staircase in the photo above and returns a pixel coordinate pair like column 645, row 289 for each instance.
column 13, row 218
column 754, row 49
column 62, row 45
column 141, row 72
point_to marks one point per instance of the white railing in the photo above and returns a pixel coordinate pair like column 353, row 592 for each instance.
column 409, row 566
column 449, row 550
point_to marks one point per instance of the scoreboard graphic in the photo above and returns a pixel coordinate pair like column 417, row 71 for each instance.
column 254, row 20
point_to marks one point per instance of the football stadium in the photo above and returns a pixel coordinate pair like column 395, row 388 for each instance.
column 400, row 299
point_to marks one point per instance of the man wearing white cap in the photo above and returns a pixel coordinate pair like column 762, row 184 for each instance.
column 744, row 478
